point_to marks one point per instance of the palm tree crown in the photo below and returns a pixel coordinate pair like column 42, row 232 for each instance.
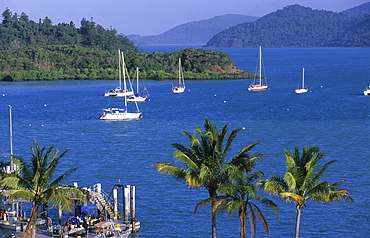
column 204, row 162
column 302, row 181
column 35, row 182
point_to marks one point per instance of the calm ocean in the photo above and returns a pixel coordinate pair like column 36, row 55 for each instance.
column 334, row 114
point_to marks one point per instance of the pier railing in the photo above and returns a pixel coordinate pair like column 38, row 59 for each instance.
column 103, row 201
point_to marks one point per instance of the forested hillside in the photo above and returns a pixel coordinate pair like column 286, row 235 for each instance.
column 358, row 11
column 297, row 26
column 43, row 51
column 18, row 31
column 196, row 32
column 76, row 62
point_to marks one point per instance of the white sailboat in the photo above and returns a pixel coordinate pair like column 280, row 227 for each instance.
column 302, row 89
column 180, row 88
column 139, row 96
column 367, row 91
column 118, row 91
column 122, row 113
column 259, row 84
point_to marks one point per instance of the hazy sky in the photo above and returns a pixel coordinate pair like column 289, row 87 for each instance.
column 152, row 17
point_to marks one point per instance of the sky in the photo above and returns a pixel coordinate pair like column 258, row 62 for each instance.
column 153, row 17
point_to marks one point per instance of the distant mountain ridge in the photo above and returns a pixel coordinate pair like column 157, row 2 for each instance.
column 195, row 32
column 298, row 26
column 358, row 11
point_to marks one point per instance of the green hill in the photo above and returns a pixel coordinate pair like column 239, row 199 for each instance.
column 55, row 62
column 358, row 11
column 43, row 51
column 296, row 26
column 17, row 31
column 193, row 33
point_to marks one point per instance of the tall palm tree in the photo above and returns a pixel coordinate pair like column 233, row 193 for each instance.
column 34, row 182
column 238, row 195
column 204, row 162
column 302, row 181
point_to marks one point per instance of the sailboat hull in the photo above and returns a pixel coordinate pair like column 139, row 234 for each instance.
column 119, row 114
column 118, row 93
column 136, row 99
column 301, row 90
column 257, row 88
column 178, row 89
column 367, row 92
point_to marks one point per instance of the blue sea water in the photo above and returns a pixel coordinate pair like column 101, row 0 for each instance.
column 334, row 114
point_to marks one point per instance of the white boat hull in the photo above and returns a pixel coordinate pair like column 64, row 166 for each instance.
column 119, row 114
column 118, row 93
column 136, row 99
column 257, row 87
column 178, row 89
column 301, row 90
column 367, row 92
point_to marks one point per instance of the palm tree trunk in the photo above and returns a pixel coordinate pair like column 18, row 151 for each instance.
column 298, row 221
column 242, row 218
column 30, row 231
column 213, row 215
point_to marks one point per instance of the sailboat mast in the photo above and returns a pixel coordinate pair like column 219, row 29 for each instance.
column 137, row 79
column 260, row 73
column 11, row 138
column 303, row 78
column 179, row 71
column 119, row 70
column 124, row 77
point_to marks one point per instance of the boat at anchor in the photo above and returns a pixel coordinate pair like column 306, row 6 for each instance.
column 121, row 113
column 302, row 89
column 180, row 87
column 259, row 84
column 119, row 91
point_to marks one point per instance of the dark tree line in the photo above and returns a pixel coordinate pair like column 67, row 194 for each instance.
column 18, row 31
column 42, row 51
column 55, row 62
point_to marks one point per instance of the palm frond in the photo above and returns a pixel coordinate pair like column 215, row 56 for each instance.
column 203, row 203
column 275, row 185
column 62, row 177
column 252, row 219
column 292, row 196
column 270, row 204
column 259, row 214
column 322, row 171
column 291, row 181
column 324, row 192
column 20, row 194
column 10, row 182
column 167, row 168
column 187, row 159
